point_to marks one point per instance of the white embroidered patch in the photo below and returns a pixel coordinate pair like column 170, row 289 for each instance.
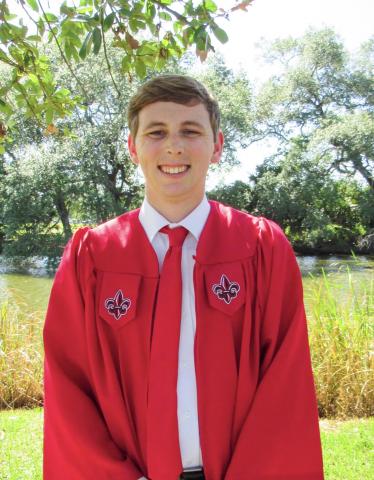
column 226, row 290
column 118, row 305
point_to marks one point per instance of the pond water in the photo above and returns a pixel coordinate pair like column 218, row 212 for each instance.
column 30, row 289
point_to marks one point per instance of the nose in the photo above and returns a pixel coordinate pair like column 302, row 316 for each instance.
column 174, row 145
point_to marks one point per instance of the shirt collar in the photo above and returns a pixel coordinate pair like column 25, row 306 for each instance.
column 152, row 221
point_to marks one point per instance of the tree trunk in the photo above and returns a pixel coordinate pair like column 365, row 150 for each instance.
column 63, row 213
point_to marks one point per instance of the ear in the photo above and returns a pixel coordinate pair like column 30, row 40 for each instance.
column 132, row 149
column 218, row 148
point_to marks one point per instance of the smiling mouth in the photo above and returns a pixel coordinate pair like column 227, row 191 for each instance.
column 173, row 170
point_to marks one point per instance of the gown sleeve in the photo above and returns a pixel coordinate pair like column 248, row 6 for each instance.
column 77, row 443
column 280, row 437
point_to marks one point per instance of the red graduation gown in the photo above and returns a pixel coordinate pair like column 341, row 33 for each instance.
column 257, row 408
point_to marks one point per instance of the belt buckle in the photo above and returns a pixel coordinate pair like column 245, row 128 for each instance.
column 192, row 474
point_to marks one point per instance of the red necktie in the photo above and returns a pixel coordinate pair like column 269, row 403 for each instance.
column 163, row 451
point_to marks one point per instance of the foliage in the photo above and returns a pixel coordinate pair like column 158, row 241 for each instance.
column 86, row 175
column 21, row 357
column 322, row 98
column 234, row 93
column 147, row 33
column 236, row 195
column 317, row 211
column 318, row 112
column 40, row 189
column 341, row 313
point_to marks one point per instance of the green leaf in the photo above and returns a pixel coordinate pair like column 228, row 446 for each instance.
column 149, row 60
column 34, row 38
column 177, row 26
column 210, row 6
column 33, row 78
column 96, row 36
column 140, row 69
column 126, row 64
column 33, row 4
column 148, row 49
column 51, row 32
column 41, row 26
column 2, row 149
column 151, row 10
column 165, row 16
column 68, row 47
column 108, row 22
column 51, row 17
column 137, row 9
column 10, row 17
column 49, row 116
column 188, row 35
column 133, row 25
column 5, row 108
column 69, row 11
column 86, row 46
column 125, row 12
column 220, row 34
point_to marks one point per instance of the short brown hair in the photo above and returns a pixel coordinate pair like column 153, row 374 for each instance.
column 172, row 88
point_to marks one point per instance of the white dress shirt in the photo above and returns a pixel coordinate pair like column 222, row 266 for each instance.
column 188, row 425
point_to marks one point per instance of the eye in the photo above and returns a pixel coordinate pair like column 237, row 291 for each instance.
column 191, row 133
column 156, row 133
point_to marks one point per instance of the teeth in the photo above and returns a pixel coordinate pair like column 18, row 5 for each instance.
column 172, row 170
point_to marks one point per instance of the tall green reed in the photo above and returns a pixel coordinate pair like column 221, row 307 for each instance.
column 340, row 310
column 20, row 357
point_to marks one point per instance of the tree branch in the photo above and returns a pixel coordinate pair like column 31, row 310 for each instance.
column 29, row 104
column 106, row 55
column 62, row 53
column 173, row 12
column 28, row 14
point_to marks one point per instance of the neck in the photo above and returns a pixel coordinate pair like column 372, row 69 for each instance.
column 174, row 211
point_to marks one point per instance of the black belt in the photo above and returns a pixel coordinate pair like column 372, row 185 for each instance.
column 193, row 474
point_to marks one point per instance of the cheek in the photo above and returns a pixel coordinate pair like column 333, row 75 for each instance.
column 202, row 151
column 147, row 150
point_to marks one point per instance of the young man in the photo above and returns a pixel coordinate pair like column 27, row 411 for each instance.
column 179, row 358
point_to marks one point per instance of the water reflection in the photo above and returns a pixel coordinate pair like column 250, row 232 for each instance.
column 30, row 289
column 311, row 264
column 25, row 291
column 41, row 267
column 35, row 266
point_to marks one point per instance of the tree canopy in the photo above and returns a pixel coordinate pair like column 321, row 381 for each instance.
column 52, row 184
column 317, row 183
column 324, row 99
column 318, row 111
column 148, row 33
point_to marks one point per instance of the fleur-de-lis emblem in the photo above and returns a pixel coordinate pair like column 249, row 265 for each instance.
column 226, row 290
column 117, row 306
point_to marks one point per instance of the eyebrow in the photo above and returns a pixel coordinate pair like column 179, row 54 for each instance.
column 183, row 124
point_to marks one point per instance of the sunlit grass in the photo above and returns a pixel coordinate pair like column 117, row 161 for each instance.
column 340, row 311
column 348, row 447
column 21, row 437
column 21, row 357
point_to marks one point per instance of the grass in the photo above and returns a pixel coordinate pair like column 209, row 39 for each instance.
column 21, row 434
column 21, row 357
column 340, row 310
column 348, row 447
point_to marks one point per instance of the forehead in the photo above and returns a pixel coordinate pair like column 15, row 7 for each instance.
column 173, row 113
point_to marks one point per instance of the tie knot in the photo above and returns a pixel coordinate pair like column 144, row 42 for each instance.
column 176, row 235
